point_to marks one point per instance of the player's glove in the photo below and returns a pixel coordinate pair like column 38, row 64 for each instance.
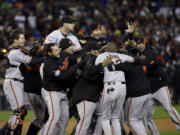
column 35, row 50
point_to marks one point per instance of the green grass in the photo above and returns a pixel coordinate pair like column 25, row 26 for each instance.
column 169, row 132
column 160, row 113
column 5, row 115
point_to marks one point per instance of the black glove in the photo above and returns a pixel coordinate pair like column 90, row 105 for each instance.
column 34, row 49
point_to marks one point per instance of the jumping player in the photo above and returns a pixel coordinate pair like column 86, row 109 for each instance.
column 65, row 31
column 54, row 89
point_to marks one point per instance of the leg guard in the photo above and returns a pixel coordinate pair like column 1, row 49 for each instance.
column 16, row 127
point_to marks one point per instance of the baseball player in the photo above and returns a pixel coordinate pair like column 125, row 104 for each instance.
column 13, row 84
column 96, row 35
column 138, row 90
column 137, row 96
column 65, row 31
column 55, row 75
column 89, row 88
column 67, row 52
column 114, row 92
column 67, row 57
column 32, row 89
column 98, row 127
column 159, row 87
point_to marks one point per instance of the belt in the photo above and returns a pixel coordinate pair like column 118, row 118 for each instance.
column 15, row 79
column 112, row 83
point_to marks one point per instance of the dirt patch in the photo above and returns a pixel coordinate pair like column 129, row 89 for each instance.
column 26, row 124
column 165, row 124
column 162, row 125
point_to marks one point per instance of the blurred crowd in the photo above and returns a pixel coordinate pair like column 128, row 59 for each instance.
column 157, row 20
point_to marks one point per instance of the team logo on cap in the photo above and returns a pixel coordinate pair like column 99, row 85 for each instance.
column 70, row 42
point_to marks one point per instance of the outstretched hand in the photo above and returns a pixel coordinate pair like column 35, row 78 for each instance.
column 131, row 27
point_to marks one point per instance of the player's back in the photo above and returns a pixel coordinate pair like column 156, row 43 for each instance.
column 112, row 76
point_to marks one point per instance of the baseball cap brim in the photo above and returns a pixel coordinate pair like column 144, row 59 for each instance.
column 68, row 19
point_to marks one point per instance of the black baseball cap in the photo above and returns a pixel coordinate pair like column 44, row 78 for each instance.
column 65, row 43
column 67, row 19
column 94, row 27
column 140, row 40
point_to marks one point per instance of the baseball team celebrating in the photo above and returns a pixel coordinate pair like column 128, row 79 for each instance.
column 95, row 81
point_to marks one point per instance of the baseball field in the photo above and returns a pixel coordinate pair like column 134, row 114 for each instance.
column 161, row 118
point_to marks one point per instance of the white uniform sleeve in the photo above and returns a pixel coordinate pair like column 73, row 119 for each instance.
column 75, row 42
column 99, row 59
column 19, row 56
column 51, row 38
column 126, row 58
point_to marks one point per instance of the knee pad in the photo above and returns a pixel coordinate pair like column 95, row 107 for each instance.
column 20, row 113
column 21, row 110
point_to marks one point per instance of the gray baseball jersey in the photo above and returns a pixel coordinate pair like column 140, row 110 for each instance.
column 113, row 76
column 16, row 57
column 13, row 89
column 56, row 36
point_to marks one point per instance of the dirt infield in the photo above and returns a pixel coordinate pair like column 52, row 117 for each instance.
column 162, row 124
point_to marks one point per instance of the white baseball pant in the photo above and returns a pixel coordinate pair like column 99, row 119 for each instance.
column 58, row 109
column 14, row 92
column 163, row 97
column 113, row 98
column 134, row 111
column 85, row 111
